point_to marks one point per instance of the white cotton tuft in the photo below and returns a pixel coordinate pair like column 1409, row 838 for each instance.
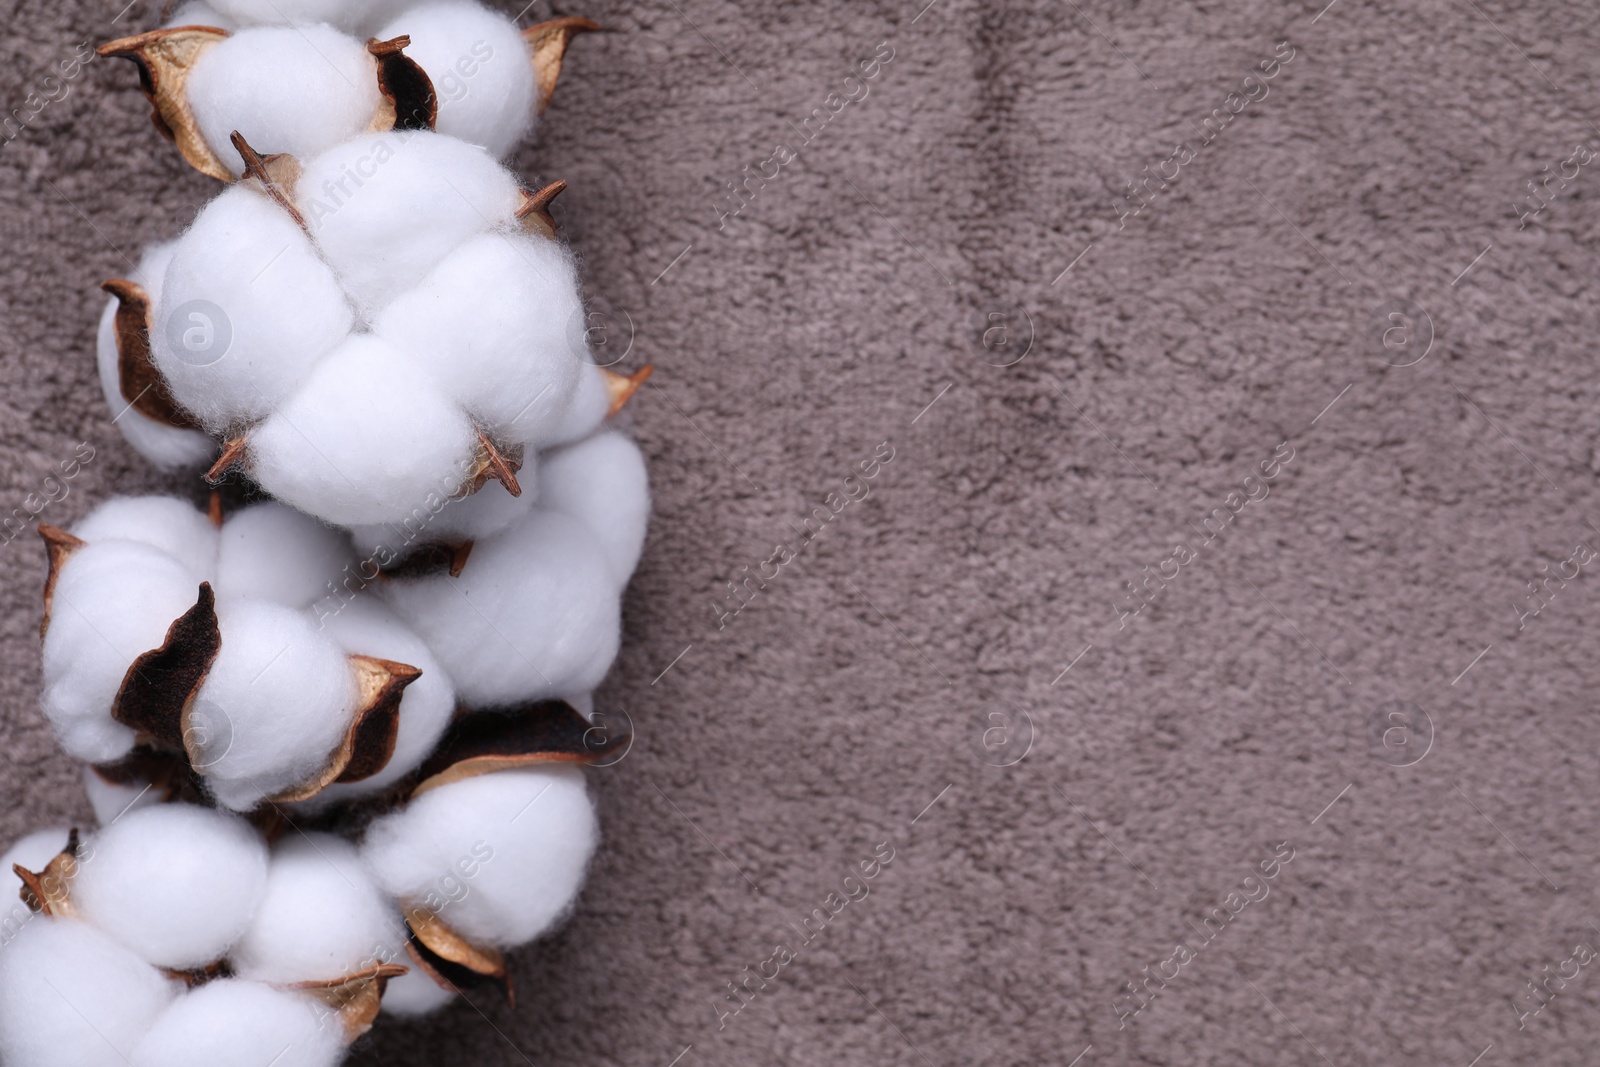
column 602, row 482
column 413, row 994
column 197, row 13
column 72, row 997
column 32, row 851
column 112, row 799
column 174, row 526
column 385, row 207
column 463, row 518
column 365, row 627
column 232, row 1023
column 367, row 440
column 279, row 554
column 168, row 447
column 246, row 309
column 590, row 403
column 176, row 883
column 499, row 858
column 275, row 705
column 356, row 16
column 480, row 68
column 113, row 602
column 534, row 614
column 298, row 89
column 321, row 917
column 492, row 324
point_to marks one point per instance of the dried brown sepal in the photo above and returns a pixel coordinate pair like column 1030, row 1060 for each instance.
column 164, row 58
column 431, row 558
column 232, row 452
column 50, row 891
column 453, row 961
column 198, row 976
column 138, row 380
column 214, row 509
column 59, row 547
column 371, row 741
column 160, row 685
column 409, row 100
column 547, row 46
column 492, row 463
column 550, row 731
column 534, row 210
column 276, row 175
column 623, row 386
column 163, row 772
column 356, row 997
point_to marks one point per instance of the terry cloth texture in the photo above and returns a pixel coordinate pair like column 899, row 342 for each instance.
column 1302, row 357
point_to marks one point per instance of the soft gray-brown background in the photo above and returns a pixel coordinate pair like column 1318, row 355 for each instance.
column 1174, row 356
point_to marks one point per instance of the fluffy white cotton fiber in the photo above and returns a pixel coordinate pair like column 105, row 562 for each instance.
column 298, row 89
column 246, row 309
column 321, row 917
column 72, row 997
column 175, row 883
column 489, row 323
column 113, row 601
column 275, row 553
column 32, row 851
column 355, row 16
column 167, row 447
column 602, row 482
column 276, row 704
column 479, row 67
column 232, row 1023
column 110, row 800
column 367, row 440
column 384, row 208
column 365, row 627
column 414, row 993
column 499, row 857
column 174, row 526
column 591, row 399
column 534, row 614
column 197, row 13
column 463, row 518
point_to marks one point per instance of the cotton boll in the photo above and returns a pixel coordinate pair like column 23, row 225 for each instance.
column 174, row 526
column 368, row 440
column 602, row 482
column 490, row 323
column 480, row 69
column 72, row 997
column 298, row 89
column 246, row 309
column 353, row 15
column 113, row 602
column 320, row 918
column 168, row 447
column 464, row 518
column 365, row 627
column 276, row 553
column 176, row 883
column 499, row 857
column 414, row 993
column 110, row 800
column 231, row 1023
column 196, row 13
column 385, row 207
column 534, row 614
column 275, row 705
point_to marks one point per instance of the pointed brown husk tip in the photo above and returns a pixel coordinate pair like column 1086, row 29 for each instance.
column 50, row 891
column 492, row 463
column 369, row 742
column 157, row 692
column 138, row 381
column 356, row 997
column 275, row 175
column 550, row 731
column 547, row 47
column 232, row 452
column 409, row 100
column 165, row 58
column 59, row 547
column 452, row 961
column 623, row 386
column 534, row 210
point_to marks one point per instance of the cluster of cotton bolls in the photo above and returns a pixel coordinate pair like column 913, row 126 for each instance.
column 335, row 729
